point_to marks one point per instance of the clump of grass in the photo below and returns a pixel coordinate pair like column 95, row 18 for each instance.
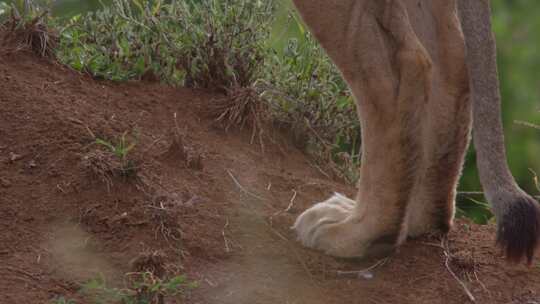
column 29, row 30
column 214, row 44
column 120, row 42
column 225, row 42
column 242, row 107
column 140, row 288
column 106, row 164
column 120, row 149
column 310, row 97
column 63, row 300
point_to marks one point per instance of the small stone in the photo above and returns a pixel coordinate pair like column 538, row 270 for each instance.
column 32, row 164
column 366, row 275
column 194, row 200
column 14, row 156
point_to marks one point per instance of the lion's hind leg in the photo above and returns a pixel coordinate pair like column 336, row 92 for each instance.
column 446, row 131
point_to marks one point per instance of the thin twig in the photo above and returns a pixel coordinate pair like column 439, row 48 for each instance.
column 227, row 248
column 320, row 170
column 481, row 283
column 527, row 124
column 446, row 251
column 242, row 188
column 365, row 271
column 291, row 204
column 470, row 193
column 478, row 193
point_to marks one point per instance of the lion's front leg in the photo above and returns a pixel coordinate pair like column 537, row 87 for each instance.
column 339, row 227
column 390, row 74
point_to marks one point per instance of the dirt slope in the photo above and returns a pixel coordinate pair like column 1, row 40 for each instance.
column 223, row 220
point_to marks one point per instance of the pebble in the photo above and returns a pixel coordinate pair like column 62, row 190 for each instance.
column 14, row 156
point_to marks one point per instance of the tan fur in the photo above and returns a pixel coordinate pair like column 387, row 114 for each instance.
column 405, row 62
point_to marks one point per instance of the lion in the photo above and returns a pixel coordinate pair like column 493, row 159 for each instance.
column 422, row 72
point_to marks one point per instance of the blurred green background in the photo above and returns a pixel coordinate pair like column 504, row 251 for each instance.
column 517, row 29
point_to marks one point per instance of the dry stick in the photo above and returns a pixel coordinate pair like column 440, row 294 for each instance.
column 291, row 204
column 481, row 193
column 320, row 170
column 242, row 188
column 446, row 251
column 527, row 124
column 358, row 273
column 481, row 283
column 227, row 248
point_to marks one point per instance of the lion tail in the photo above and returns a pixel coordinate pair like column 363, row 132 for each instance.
column 517, row 213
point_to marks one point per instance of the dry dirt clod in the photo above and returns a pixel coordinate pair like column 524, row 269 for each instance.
column 176, row 150
column 5, row 182
column 195, row 162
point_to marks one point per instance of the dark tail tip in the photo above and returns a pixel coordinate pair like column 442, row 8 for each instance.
column 519, row 229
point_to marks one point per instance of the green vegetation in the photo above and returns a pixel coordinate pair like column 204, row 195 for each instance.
column 141, row 288
column 62, row 300
column 260, row 55
column 212, row 44
column 120, row 149
column 25, row 26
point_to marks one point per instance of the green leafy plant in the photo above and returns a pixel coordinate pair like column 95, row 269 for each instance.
column 309, row 96
column 215, row 44
column 62, row 300
column 120, row 149
column 478, row 211
column 141, row 288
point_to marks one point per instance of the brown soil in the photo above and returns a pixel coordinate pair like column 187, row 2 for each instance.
column 209, row 205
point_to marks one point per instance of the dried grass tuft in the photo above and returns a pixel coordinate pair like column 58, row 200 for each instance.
column 33, row 35
column 242, row 107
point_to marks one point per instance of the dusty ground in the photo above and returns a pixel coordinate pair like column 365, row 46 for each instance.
column 215, row 207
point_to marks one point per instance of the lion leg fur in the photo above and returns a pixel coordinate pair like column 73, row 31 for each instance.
column 412, row 94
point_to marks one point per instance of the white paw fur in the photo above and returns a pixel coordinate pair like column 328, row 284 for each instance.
column 330, row 226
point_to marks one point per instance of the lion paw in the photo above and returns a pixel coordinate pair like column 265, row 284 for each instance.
column 329, row 226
